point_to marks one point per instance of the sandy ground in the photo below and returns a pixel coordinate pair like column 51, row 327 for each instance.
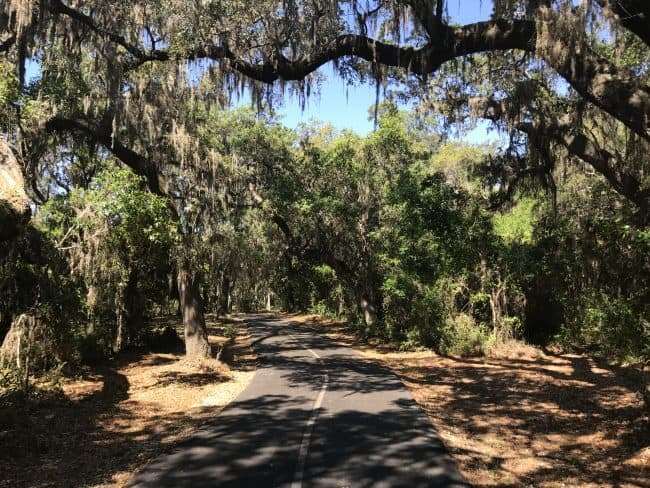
column 526, row 418
column 117, row 417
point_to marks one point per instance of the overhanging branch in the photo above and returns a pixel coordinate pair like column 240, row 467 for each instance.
column 564, row 132
column 634, row 15
column 615, row 91
column 140, row 164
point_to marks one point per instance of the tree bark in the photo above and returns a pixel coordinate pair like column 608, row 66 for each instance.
column 634, row 15
column 95, row 132
column 268, row 300
column 119, row 343
column 134, row 306
column 369, row 309
column 130, row 308
column 196, row 336
column 645, row 385
column 14, row 202
column 224, row 296
column 615, row 91
column 567, row 132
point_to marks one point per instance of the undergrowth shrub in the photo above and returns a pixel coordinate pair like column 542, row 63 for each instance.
column 323, row 309
column 462, row 336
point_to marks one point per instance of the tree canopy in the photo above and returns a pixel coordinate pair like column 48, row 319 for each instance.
column 241, row 211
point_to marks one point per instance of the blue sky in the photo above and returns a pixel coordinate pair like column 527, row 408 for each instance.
column 346, row 107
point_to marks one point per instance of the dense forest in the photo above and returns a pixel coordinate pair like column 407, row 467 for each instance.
column 134, row 185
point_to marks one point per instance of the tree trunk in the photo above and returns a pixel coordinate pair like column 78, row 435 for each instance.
column 172, row 291
column 14, row 202
column 196, row 336
column 224, row 297
column 645, row 385
column 369, row 309
column 134, row 303
column 120, row 318
column 130, row 308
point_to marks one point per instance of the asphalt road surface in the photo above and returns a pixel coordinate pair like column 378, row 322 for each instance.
column 315, row 415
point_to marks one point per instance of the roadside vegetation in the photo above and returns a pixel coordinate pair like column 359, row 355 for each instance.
column 139, row 201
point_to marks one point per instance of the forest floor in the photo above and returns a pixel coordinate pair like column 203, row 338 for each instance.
column 525, row 417
column 114, row 418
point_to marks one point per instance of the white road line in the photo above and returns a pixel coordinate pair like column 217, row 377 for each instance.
column 315, row 354
column 306, row 436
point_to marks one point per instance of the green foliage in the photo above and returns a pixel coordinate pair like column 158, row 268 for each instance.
column 390, row 230
column 462, row 336
column 597, row 265
column 383, row 226
column 582, row 268
column 458, row 163
column 17, row 385
column 516, row 225
column 9, row 95
column 391, row 221
column 479, row 304
column 35, row 278
column 118, row 239
column 230, row 331
column 321, row 308
column 8, row 84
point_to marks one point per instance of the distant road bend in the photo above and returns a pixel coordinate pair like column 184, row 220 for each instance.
column 315, row 415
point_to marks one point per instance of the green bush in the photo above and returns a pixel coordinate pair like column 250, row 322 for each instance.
column 609, row 326
column 462, row 336
column 321, row 308
column 509, row 328
column 480, row 306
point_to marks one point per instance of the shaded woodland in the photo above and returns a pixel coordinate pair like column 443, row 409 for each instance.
column 132, row 187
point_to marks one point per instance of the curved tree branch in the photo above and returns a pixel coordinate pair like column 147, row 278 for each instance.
column 140, row 164
column 58, row 7
column 615, row 91
column 496, row 35
column 563, row 131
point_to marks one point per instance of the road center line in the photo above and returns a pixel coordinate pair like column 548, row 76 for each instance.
column 315, row 354
column 306, row 436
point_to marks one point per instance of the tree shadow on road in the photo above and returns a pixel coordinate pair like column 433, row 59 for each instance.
column 255, row 443
column 103, row 427
column 543, row 419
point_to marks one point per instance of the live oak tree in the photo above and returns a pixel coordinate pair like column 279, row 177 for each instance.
column 269, row 42
column 116, row 74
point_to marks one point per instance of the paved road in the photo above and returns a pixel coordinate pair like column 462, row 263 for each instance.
column 315, row 415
